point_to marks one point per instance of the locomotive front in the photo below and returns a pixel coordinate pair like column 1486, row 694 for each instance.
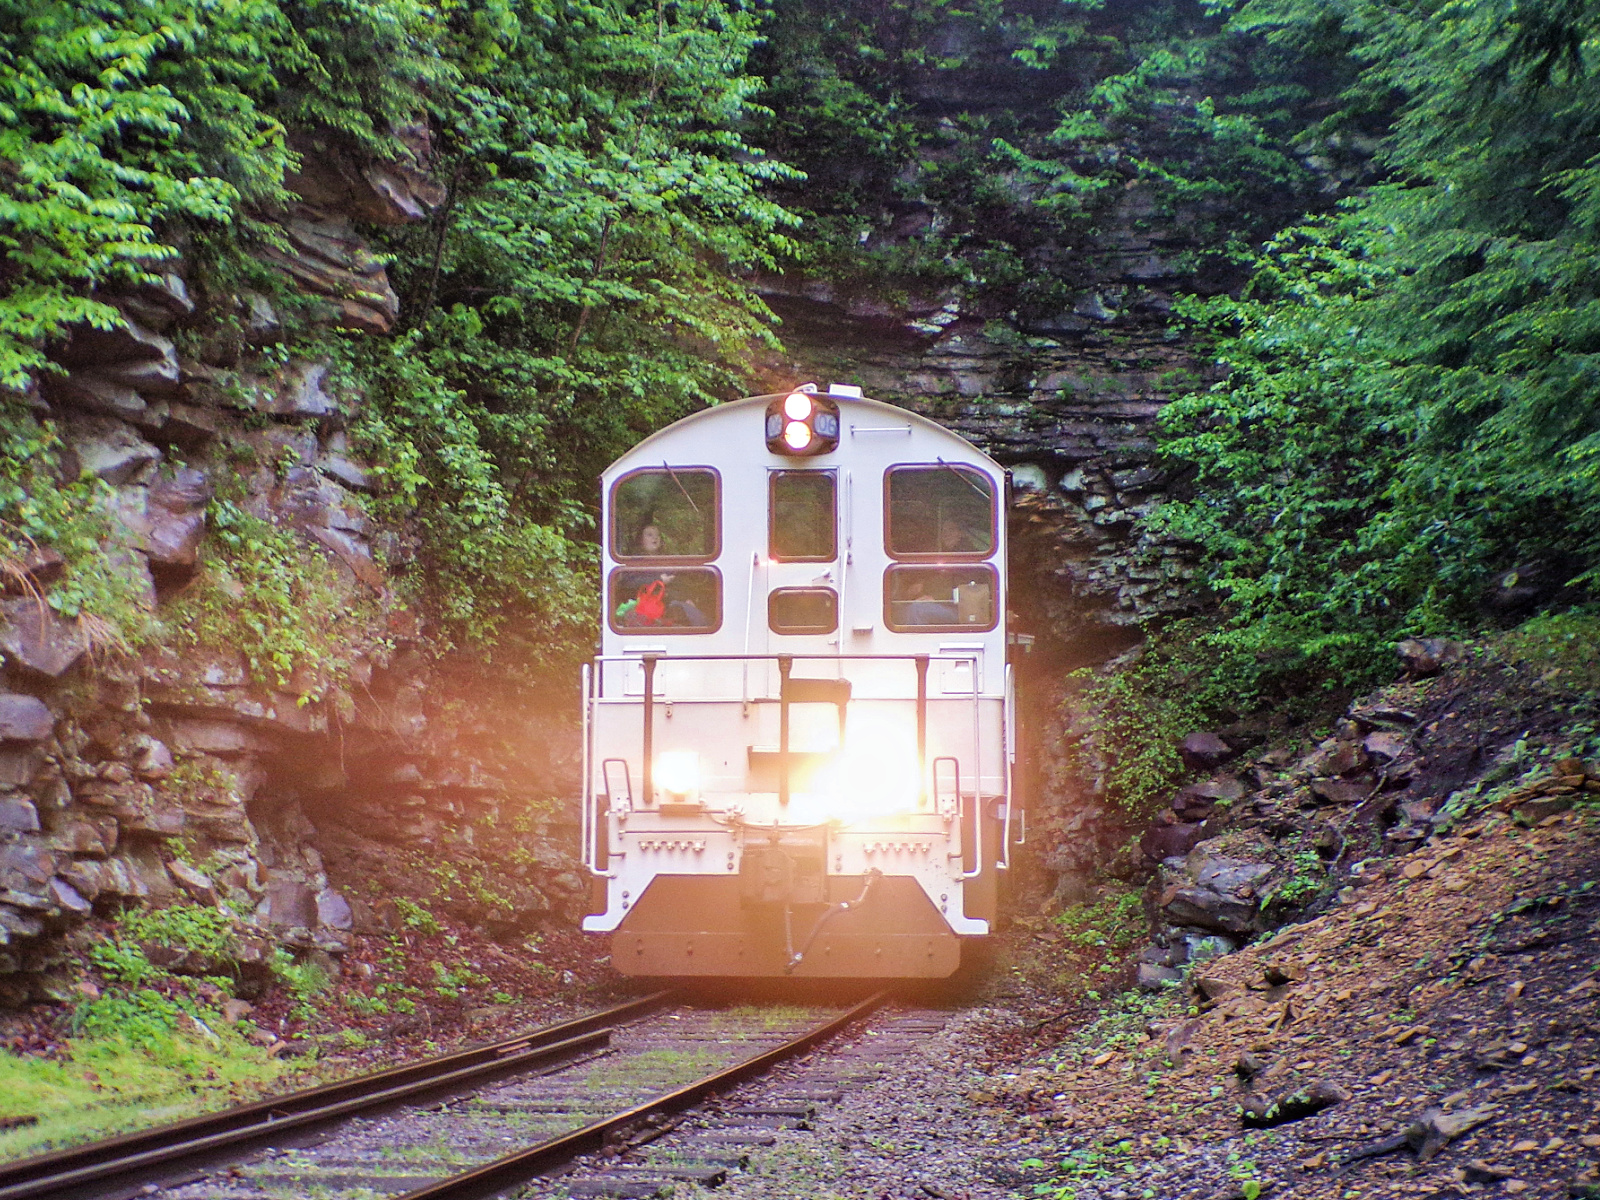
column 798, row 732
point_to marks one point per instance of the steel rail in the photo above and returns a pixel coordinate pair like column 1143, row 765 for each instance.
column 68, row 1172
column 502, row 1174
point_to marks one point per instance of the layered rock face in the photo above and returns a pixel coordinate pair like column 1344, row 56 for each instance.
column 173, row 774
column 1070, row 409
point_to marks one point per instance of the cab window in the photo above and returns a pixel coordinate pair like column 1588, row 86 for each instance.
column 939, row 598
column 803, row 610
column 666, row 514
column 687, row 600
column 801, row 521
column 942, row 511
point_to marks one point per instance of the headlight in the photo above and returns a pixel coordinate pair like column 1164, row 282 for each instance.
column 678, row 773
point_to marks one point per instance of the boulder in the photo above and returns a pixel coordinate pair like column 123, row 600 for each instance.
column 1202, row 751
column 195, row 882
column 126, row 341
column 112, row 878
column 261, row 322
column 1210, row 910
column 69, row 898
column 175, row 518
column 26, row 867
column 189, row 425
column 1386, row 744
column 14, row 924
column 92, row 392
column 225, row 738
column 353, row 555
column 333, row 910
column 1169, row 839
column 1222, row 898
column 110, row 450
column 85, row 834
column 342, row 470
column 1029, row 477
column 19, row 763
column 1154, row 979
column 168, row 292
column 18, row 815
column 32, row 572
column 151, row 757
column 299, row 393
column 1197, row 801
column 289, row 903
column 328, row 258
column 396, row 192
column 1429, row 656
column 35, row 638
column 1345, row 758
column 1342, row 791
column 24, row 719
column 149, row 377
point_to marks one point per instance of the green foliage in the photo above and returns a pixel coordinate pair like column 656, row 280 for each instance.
column 303, row 979
column 265, row 593
column 1408, row 408
column 38, row 509
column 416, row 916
column 1308, row 879
column 1115, row 923
column 1188, row 133
column 134, row 1057
column 1560, row 646
column 123, row 122
column 207, row 931
column 451, row 982
column 579, row 287
column 1188, row 676
column 190, row 928
column 576, row 291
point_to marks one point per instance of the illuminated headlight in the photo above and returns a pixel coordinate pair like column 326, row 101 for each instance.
column 678, row 773
column 802, row 425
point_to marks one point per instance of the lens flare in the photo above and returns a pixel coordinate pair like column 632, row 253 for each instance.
column 875, row 774
column 797, row 406
column 678, row 772
column 797, row 435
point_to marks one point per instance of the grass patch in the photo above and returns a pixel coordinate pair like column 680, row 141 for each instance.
column 171, row 1066
column 777, row 1016
column 655, row 1068
column 1563, row 647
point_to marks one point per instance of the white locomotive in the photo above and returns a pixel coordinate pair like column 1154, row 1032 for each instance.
column 798, row 735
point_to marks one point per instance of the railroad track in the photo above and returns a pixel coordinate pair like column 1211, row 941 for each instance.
column 472, row 1124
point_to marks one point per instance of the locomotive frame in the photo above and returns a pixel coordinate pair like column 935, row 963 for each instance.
column 799, row 732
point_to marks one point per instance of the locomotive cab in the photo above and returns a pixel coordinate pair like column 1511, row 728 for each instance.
column 798, row 731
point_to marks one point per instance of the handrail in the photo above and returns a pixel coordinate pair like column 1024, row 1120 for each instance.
column 922, row 729
column 965, row 656
column 586, row 798
column 977, row 782
column 646, row 769
column 1007, row 758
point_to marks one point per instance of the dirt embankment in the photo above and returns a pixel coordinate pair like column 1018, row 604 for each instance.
column 1430, row 1026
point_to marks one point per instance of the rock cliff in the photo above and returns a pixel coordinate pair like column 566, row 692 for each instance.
column 188, row 769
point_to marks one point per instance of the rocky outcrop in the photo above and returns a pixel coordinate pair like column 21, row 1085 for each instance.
column 175, row 775
column 1068, row 401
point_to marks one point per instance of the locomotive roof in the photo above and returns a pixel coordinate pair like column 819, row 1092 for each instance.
column 844, row 402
